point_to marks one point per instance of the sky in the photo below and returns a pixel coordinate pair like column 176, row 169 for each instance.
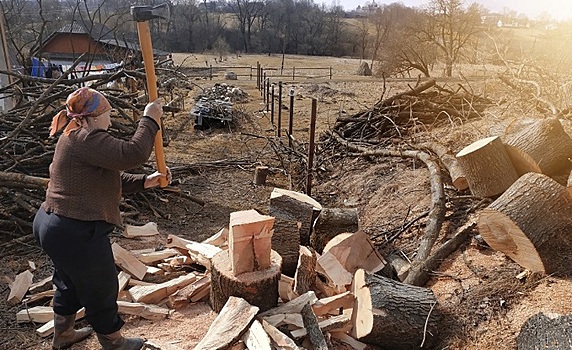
column 556, row 9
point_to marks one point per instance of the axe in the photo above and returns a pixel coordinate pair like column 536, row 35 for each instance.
column 142, row 14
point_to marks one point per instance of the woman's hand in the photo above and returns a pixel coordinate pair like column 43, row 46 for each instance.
column 153, row 179
column 154, row 110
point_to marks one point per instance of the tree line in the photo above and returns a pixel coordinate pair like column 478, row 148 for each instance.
column 396, row 39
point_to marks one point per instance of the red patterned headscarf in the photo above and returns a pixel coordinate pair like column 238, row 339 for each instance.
column 82, row 103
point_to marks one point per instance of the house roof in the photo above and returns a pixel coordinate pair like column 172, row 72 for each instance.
column 100, row 33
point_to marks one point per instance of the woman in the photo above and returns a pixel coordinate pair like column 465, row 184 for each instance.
column 82, row 208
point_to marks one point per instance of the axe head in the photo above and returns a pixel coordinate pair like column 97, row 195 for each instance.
column 146, row 13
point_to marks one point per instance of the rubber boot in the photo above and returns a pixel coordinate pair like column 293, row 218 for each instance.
column 115, row 341
column 64, row 333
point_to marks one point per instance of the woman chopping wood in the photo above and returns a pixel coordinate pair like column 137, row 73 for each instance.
column 82, row 208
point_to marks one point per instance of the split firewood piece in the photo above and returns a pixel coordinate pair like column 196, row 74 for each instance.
column 305, row 277
column 331, row 268
column 450, row 162
column 400, row 265
column 155, row 256
column 249, row 241
column 40, row 314
column 295, row 206
column 345, row 338
column 293, row 306
column 531, row 224
column 312, row 329
column 219, row 239
column 191, row 293
column 47, row 328
column 328, row 305
column 19, row 287
column 232, row 321
column 487, row 167
column 256, row 337
column 331, row 222
column 41, row 286
column 200, row 252
column 260, row 174
column 153, row 294
column 545, row 141
column 280, row 341
column 146, row 311
column 286, row 241
column 149, row 229
column 33, row 298
column 259, row 288
column 397, row 315
column 286, row 288
column 128, row 262
column 340, row 322
column 285, row 319
column 355, row 251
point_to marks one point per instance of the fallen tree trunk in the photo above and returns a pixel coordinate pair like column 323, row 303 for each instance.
column 330, row 223
column 531, row 224
column 487, row 167
column 393, row 315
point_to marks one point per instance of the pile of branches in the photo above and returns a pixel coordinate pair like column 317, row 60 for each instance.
column 26, row 149
column 395, row 116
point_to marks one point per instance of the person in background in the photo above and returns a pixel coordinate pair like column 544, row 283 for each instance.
column 81, row 209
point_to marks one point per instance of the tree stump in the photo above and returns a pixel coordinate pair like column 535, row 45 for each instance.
column 487, row 167
column 543, row 331
column 531, row 224
column 260, row 174
column 259, row 288
column 393, row 315
column 546, row 142
column 330, row 223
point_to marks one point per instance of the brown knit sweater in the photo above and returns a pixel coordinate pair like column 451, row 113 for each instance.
column 86, row 174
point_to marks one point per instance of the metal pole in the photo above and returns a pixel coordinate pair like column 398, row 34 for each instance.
column 311, row 148
column 293, row 73
column 291, row 118
column 279, row 106
column 211, row 72
column 267, row 93
column 272, row 106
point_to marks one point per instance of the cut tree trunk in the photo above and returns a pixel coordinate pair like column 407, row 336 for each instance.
column 260, row 174
column 487, row 167
column 330, row 223
column 543, row 331
column 393, row 315
column 531, row 224
column 295, row 206
column 546, row 142
column 259, row 288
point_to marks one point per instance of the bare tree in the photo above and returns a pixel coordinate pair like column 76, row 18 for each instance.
column 246, row 12
column 450, row 27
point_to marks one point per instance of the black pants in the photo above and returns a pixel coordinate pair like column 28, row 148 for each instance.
column 84, row 270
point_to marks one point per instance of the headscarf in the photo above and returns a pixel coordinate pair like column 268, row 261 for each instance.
column 82, row 103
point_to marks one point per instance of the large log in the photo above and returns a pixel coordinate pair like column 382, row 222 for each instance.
column 393, row 315
column 546, row 331
column 545, row 141
column 531, row 224
column 487, row 166
column 330, row 223
column 259, row 288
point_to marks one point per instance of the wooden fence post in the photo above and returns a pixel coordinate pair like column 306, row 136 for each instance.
column 291, row 119
column 311, row 148
column 330, row 73
column 279, row 106
column 211, row 72
column 272, row 106
column 293, row 73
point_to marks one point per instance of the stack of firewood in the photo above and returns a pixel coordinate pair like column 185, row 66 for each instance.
column 269, row 284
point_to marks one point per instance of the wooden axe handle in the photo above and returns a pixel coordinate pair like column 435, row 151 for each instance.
column 147, row 53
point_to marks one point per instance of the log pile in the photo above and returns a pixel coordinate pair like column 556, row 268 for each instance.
column 26, row 149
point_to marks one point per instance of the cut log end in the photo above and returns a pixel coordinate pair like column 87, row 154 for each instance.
column 502, row 234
